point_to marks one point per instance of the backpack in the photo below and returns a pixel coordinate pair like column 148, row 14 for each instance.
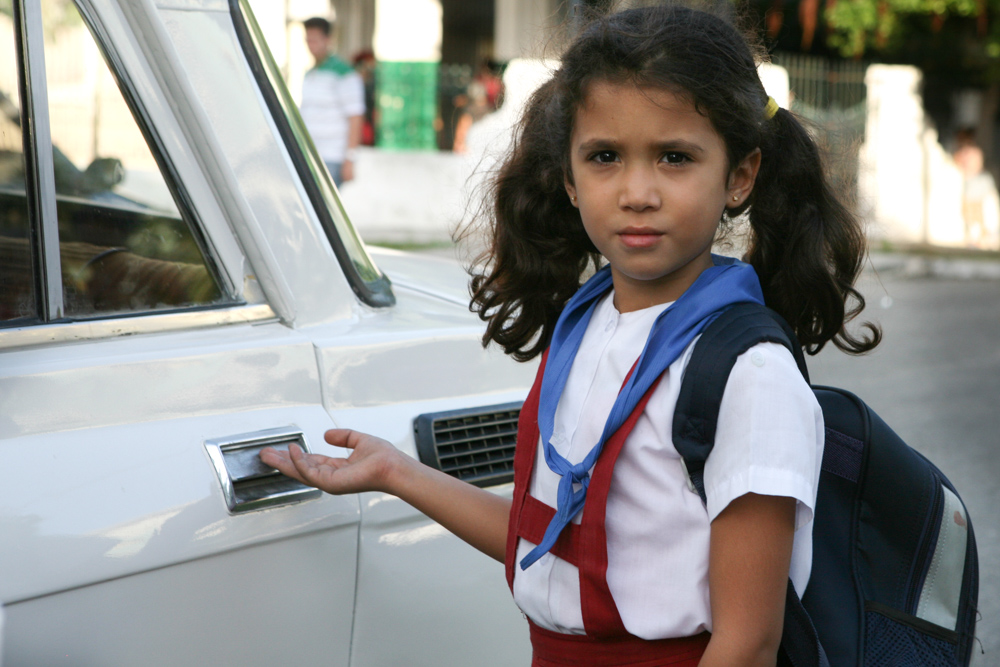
column 895, row 575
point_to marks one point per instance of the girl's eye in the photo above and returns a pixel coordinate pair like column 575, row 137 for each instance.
column 675, row 158
column 604, row 157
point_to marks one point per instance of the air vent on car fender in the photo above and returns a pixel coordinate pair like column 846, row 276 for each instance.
column 475, row 445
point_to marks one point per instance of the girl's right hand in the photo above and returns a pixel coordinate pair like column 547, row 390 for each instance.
column 366, row 469
column 476, row 515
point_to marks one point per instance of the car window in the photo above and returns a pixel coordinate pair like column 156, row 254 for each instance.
column 17, row 288
column 124, row 244
column 366, row 279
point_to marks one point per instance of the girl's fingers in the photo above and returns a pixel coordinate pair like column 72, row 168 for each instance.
column 280, row 460
column 306, row 468
column 360, row 472
column 342, row 437
column 276, row 458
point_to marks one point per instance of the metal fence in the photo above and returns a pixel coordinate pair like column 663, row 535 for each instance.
column 831, row 96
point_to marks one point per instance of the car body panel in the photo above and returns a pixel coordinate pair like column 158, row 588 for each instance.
column 232, row 611
column 413, row 574
column 118, row 487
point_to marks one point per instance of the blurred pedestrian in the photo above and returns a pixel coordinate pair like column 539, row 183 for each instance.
column 333, row 102
column 978, row 191
column 488, row 76
column 364, row 64
column 473, row 105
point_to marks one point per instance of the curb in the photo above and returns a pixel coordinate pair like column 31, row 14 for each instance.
column 924, row 266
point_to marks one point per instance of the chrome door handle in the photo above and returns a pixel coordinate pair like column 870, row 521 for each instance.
column 247, row 483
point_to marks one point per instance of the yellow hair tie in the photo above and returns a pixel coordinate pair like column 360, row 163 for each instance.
column 771, row 108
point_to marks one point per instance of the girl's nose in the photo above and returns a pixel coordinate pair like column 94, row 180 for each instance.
column 639, row 191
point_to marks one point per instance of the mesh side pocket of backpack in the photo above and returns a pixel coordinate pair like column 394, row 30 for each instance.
column 904, row 641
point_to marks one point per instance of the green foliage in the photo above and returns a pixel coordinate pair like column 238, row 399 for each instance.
column 886, row 27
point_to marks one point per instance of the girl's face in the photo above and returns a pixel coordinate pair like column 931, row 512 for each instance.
column 651, row 178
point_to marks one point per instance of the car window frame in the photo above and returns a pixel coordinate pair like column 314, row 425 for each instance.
column 39, row 168
column 376, row 293
column 42, row 197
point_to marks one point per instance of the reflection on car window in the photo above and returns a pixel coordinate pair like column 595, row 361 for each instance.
column 17, row 289
column 124, row 246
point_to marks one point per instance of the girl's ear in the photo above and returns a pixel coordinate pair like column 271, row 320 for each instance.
column 742, row 179
column 570, row 188
column 570, row 191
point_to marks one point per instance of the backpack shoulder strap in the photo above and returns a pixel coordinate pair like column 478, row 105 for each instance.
column 733, row 332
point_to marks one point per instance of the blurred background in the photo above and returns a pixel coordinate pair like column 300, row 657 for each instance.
column 903, row 93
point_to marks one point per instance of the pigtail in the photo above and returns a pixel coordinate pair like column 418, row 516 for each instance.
column 538, row 248
column 806, row 246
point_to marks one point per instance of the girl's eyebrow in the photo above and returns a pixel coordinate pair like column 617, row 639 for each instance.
column 681, row 145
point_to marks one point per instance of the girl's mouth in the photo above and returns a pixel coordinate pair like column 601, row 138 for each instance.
column 639, row 237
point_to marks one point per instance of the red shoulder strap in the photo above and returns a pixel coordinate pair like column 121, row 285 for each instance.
column 524, row 460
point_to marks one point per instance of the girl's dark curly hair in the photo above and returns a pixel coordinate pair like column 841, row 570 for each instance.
column 805, row 245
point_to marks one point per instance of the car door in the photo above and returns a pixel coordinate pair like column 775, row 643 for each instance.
column 141, row 368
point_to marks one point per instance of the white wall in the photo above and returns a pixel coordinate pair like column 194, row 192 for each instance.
column 910, row 189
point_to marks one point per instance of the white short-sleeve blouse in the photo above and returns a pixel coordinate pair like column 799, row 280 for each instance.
column 769, row 441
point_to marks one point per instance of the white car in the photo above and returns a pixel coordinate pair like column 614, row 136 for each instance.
column 180, row 286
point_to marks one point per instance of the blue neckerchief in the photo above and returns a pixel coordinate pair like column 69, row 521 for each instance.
column 727, row 282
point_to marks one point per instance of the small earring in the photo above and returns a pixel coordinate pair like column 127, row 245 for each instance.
column 736, row 197
column 572, row 198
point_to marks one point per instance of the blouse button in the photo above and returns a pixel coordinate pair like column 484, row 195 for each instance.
column 756, row 358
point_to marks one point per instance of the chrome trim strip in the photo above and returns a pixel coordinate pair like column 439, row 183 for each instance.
column 130, row 325
column 36, row 102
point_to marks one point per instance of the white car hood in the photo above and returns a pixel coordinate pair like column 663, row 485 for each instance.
column 440, row 277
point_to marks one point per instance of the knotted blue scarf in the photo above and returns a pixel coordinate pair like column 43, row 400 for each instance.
column 727, row 282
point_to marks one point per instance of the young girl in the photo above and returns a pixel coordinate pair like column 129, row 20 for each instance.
column 654, row 129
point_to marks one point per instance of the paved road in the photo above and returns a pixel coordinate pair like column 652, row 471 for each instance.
column 936, row 380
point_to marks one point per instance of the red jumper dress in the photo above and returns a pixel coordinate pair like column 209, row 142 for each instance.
column 607, row 642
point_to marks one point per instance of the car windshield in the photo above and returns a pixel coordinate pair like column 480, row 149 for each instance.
column 311, row 167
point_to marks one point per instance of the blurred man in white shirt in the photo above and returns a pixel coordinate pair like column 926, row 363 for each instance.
column 333, row 102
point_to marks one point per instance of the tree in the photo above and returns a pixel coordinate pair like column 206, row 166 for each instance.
column 957, row 36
